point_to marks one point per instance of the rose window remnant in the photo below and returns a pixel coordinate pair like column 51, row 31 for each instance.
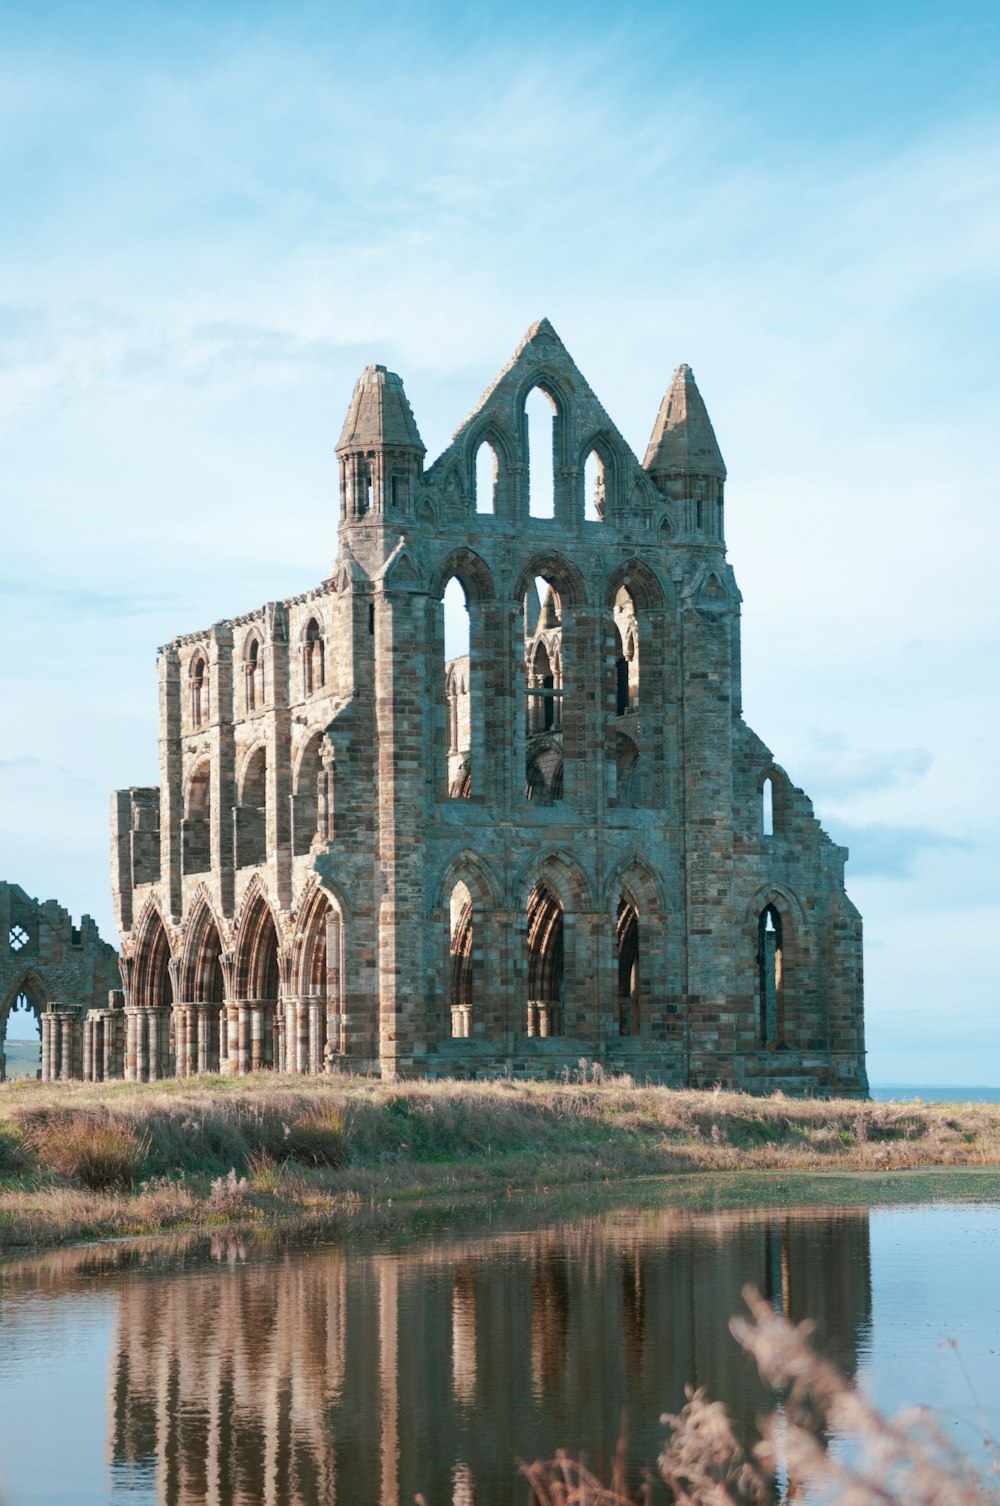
column 18, row 938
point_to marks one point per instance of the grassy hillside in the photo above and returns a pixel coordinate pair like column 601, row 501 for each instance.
column 80, row 1161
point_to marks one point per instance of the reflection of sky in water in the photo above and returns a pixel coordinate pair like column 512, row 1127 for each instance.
column 935, row 1277
column 68, row 1338
column 54, row 1357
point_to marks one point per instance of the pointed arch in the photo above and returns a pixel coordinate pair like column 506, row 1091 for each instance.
column 251, row 814
column 551, row 566
column 253, row 672
column 29, row 983
column 151, row 983
column 310, row 1023
column 642, row 584
column 201, row 976
column 470, row 570
column 313, row 657
column 257, row 972
column 196, row 824
column 561, row 871
column 476, row 873
column 310, row 794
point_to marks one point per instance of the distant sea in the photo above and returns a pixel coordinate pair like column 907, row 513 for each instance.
column 897, row 1092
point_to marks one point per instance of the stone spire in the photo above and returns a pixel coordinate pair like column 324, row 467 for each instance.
column 380, row 449
column 683, row 441
column 379, row 416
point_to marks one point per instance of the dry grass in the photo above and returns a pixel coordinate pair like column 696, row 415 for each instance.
column 905, row 1461
column 150, row 1154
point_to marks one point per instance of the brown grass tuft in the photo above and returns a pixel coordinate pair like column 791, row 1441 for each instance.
column 102, row 1151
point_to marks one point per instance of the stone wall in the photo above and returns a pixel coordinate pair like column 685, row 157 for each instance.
column 362, row 855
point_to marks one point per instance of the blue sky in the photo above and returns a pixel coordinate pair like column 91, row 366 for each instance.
column 214, row 216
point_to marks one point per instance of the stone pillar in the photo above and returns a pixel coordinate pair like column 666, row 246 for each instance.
column 141, row 1068
column 279, row 1038
column 256, row 1035
column 301, row 1037
column 46, row 1048
column 243, row 1038
column 232, row 1028
column 315, row 1038
column 203, row 1045
column 88, row 1049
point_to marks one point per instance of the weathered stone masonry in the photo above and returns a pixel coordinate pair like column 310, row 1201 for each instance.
column 68, row 978
column 565, row 843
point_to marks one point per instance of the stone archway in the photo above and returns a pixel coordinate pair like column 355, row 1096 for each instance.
column 21, row 1031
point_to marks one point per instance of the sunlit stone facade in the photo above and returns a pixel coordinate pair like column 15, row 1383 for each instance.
column 562, row 843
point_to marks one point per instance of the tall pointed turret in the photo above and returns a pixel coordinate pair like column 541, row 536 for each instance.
column 381, row 452
column 683, row 456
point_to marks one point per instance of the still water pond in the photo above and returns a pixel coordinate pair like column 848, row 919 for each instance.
column 364, row 1373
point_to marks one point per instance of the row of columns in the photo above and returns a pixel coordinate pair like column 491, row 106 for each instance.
column 103, row 1045
column 241, row 1036
column 61, row 1045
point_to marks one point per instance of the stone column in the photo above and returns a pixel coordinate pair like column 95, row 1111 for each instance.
column 243, row 1038
column 279, row 1038
column 88, row 1049
column 315, row 1038
column 97, row 1048
column 256, row 1036
column 141, row 1069
column 301, row 1037
column 231, row 1023
column 202, row 1026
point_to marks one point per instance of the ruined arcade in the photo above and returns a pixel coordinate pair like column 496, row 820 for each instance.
column 563, row 843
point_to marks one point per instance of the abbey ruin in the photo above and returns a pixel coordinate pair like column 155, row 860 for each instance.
column 563, row 843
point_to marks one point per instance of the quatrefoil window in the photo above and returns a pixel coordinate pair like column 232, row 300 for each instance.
column 18, row 938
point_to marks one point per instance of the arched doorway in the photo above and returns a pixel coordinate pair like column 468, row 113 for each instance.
column 148, row 1022
column 22, row 1035
column 200, row 1039
column 251, row 1019
column 309, row 1025
column 545, row 961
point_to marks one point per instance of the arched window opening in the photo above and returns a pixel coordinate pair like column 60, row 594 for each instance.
column 540, row 418
column 199, row 691
column 148, row 1048
column 769, row 956
column 22, row 1043
column 313, row 658
column 626, row 653
column 253, row 674
column 487, row 476
column 196, row 826
column 541, row 708
column 458, row 689
column 627, row 954
column 543, row 714
column 545, row 962
column 593, row 489
column 311, row 798
column 251, row 813
column 461, row 922
column 251, row 1042
column 203, row 987
column 311, row 1023
column 767, row 806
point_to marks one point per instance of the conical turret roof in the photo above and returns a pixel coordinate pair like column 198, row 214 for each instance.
column 379, row 416
column 683, row 440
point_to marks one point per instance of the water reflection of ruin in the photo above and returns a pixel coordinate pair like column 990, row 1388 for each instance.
column 314, row 1377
